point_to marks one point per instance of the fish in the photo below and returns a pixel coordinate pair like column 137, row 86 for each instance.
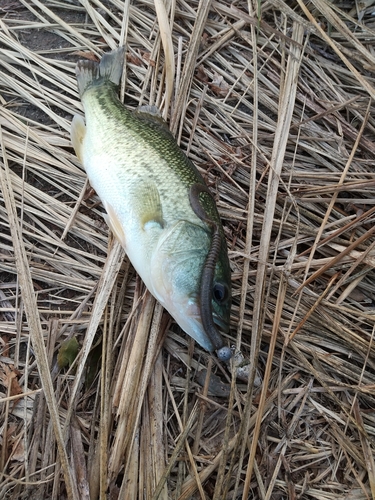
column 157, row 204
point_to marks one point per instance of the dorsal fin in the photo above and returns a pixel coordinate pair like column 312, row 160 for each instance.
column 152, row 115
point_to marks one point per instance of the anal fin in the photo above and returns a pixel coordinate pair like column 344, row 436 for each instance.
column 114, row 223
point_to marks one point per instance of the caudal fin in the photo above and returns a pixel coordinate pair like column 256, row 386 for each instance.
column 109, row 68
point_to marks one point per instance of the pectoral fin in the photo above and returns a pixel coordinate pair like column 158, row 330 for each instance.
column 114, row 223
column 77, row 135
column 145, row 213
column 148, row 209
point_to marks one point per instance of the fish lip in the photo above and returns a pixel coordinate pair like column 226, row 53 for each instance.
column 221, row 323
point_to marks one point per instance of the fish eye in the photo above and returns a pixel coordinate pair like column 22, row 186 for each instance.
column 220, row 293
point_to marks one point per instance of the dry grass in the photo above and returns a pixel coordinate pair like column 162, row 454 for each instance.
column 276, row 111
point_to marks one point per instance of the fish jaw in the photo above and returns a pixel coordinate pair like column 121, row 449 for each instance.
column 186, row 312
column 189, row 319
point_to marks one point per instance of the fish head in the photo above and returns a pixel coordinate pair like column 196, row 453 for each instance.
column 176, row 272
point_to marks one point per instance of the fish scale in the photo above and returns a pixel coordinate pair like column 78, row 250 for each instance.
column 145, row 181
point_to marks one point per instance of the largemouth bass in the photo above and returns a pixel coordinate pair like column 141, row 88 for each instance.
column 157, row 204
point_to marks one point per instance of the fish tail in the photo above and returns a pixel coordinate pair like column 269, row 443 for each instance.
column 110, row 68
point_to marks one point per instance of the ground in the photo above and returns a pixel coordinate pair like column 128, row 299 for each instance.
column 277, row 117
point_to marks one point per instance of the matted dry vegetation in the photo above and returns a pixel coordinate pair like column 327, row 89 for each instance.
column 274, row 103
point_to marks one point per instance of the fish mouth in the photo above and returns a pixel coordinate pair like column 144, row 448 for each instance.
column 222, row 325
